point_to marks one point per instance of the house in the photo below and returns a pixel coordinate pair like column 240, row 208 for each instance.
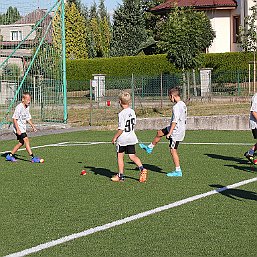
column 226, row 16
column 21, row 32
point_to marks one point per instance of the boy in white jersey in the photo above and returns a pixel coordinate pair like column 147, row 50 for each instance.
column 126, row 139
column 20, row 117
column 253, row 125
column 175, row 132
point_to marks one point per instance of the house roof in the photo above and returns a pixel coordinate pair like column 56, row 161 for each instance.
column 198, row 4
column 34, row 17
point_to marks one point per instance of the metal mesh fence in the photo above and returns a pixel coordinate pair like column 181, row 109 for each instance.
column 95, row 102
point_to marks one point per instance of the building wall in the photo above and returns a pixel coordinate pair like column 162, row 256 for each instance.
column 5, row 31
column 221, row 23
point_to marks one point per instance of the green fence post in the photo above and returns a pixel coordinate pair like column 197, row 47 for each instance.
column 133, row 91
column 65, row 111
column 238, row 84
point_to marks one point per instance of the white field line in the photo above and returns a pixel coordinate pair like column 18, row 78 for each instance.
column 125, row 220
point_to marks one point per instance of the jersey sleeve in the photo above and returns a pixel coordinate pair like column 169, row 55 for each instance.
column 121, row 121
column 175, row 114
column 28, row 116
column 16, row 114
column 254, row 104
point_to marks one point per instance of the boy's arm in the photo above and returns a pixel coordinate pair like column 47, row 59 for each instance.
column 173, row 125
column 254, row 114
column 32, row 125
column 15, row 122
column 118, row 133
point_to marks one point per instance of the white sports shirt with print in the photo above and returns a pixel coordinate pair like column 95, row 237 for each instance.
column 253, row 121
column 179, row 115
column 127, row 122
column 22, row 115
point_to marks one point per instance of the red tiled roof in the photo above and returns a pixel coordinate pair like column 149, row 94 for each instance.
column 195, row 3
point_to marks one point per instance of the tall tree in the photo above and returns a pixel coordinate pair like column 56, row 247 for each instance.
column 11, row 16
column 185, row 35
column 75, row 33
column 128, row 28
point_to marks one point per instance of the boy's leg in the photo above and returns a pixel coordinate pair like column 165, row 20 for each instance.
column 27, row 145
column 137, row 161
column 10, row 156
column 160, row 133
column 250, row 153
column 175, row 157
column 120, row 158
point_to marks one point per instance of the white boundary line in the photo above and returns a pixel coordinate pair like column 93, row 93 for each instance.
column 125, row 220
column 65, row 144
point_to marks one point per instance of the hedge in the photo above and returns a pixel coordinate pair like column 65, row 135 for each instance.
column 80, row 72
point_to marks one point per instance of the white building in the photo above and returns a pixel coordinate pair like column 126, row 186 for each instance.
column 225, row 15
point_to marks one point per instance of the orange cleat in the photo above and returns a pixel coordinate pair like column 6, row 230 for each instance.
column 143, row 176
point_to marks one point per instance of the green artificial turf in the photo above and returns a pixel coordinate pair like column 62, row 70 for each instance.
column 43, row 202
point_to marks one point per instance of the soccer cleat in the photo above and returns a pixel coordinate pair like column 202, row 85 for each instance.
column 143, row 176
column 10, row 158
column 146, row 148
column 35, row 160
column 116, row 178
column 175, row 174
column 249, row 157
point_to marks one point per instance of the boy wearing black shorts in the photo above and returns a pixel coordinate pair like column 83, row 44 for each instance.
column 175, row 132
column 126, row 139
column 20, row 117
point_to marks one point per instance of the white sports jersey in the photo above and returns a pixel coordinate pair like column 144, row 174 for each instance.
column 179, row 115
column 253, row 121
column 22, row 115
column 127, row 122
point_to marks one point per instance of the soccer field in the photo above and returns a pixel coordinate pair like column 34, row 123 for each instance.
column 41, row 203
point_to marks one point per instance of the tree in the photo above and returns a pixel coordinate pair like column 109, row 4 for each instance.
column 128, row 28
column 75, row 33
column 11, row 16
column 185, row 35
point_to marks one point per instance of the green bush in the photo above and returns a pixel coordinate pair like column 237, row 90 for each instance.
column 79, row 72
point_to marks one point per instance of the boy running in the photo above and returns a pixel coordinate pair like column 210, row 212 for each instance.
column 253, row 125
column 175, row 132
column 20, row 117
column 126, row 139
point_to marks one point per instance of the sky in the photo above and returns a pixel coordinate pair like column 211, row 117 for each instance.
column 30, row 5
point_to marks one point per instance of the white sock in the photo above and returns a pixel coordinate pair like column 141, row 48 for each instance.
column 151, row 146
column 178, row 168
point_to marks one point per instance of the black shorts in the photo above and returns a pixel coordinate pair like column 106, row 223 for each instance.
column 128, row 149
column 173, row 144
column 21, row 137
column 254, row 131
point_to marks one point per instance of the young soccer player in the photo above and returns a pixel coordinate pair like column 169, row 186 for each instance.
column 253, row 125
column 175, row 132
column 126, row 139
column 20, row 117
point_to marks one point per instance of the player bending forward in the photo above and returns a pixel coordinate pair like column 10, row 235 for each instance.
column 20, row 117
column 175, row 132
column 126, row 139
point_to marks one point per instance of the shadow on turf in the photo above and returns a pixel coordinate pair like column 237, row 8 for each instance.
column 227, row 158
column 235, row 194
column 105, row 172
column 149, row 167
column 17, row 156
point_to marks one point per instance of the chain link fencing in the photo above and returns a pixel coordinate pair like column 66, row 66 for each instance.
column 95, row 102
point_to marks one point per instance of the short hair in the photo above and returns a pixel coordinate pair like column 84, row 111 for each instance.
column 25, row 94
column 174, row 91
column 125, row 97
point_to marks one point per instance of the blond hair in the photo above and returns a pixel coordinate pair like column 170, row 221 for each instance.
column 125, row 98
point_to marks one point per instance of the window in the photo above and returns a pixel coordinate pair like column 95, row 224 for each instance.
column 236, row 24
column 16, row 35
